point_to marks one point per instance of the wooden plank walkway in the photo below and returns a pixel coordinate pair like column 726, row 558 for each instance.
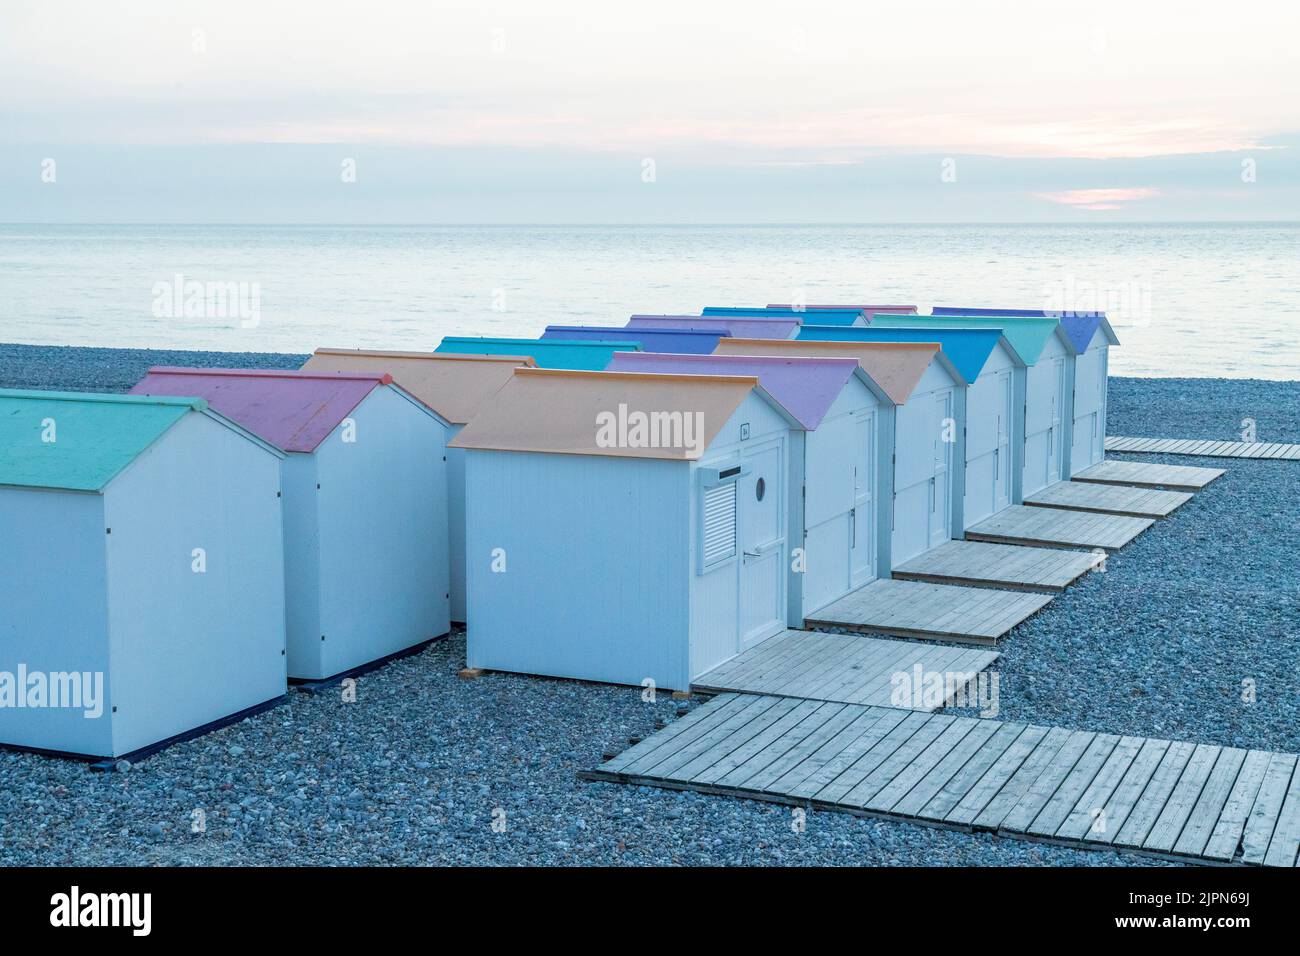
column 1196, row 803
column 1149, row 474
column 982, row 564
column 1109, row 499
column 850, row 669
column 1207, row 447
column 935, row 611
column 1058, row 528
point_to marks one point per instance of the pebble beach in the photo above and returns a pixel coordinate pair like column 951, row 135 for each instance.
column 425, row 768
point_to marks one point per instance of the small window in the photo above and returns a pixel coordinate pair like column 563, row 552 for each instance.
column 760, row 489
column 719, row 524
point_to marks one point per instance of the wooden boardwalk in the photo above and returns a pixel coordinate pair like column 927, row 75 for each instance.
column 935, row 611
column 850, row 669
column 1148, row 474
column 981, row 564
column 1207, row 447
column 1058, row 528
column 1199, row 803
column 1109, row 499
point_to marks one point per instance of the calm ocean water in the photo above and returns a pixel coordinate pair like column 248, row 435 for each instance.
column 1185, row 300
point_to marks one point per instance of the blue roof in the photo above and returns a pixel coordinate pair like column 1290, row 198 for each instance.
column 824, row 316
column 1079, row 327
column 680, row 341
column 966, row 349
column 94, row 436
column 592, row 356
column 1026, row 335
column 1032, row 313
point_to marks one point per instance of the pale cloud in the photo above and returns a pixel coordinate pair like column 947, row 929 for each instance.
column 1099, row 199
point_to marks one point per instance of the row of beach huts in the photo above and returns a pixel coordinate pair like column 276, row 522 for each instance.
column 625, row 504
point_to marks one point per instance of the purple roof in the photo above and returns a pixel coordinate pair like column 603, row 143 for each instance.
column 1080, row 329
column 292, row 410
column 805, row 387
column 752, row 327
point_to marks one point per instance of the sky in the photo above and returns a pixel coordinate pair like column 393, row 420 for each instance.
column 700, row 111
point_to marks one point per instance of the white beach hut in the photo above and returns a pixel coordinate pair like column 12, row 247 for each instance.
column 925, row 390
column 365, row 504
column 141, row 573
column 626, row 528
column 454, row 386
column 840, row 490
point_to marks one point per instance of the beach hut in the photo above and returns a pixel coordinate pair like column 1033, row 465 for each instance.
column 989, row 447
column 840, row 452
column 1048, row 355
column 1091, row 336
column 141, row 576
column 850, row 316
column 625, row 528
column 545, row 353
column 365, row 506
column 454, row 386
column 739, row 326
column 693, row 341
column 925, row 390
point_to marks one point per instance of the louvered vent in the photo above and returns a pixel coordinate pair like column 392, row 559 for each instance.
column 719, row 523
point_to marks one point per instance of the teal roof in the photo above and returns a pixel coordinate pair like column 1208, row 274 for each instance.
column 1027, row 335
column 589, row 355
column 966, row 349
column 95, row 435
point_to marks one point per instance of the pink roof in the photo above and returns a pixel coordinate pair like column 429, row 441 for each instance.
column 292, row 410
column 805, row 387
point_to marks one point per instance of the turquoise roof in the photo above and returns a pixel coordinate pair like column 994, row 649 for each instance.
column 966, row 349
column 1027, row 335
column 95, row 435
column 581, row 355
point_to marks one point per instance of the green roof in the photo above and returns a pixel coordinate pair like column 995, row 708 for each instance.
column 95, row 435
column 1027, row 335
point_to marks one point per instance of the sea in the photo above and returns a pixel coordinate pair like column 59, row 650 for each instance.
column 1186, row 300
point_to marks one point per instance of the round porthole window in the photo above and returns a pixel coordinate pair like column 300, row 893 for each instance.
column 760, row 488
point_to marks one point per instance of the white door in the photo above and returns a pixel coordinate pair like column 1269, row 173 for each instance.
column 1054, row 435
column 941, row 480
column 762, row 538
column 1002, row 455
column 830, row 459
column 863, row 528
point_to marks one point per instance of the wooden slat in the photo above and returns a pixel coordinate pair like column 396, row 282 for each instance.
column 1109, row 499
column 1149, row 474
column 941, row 611
column 1191, row 802
column 984, row 564
column 1207, row 448
column 1058, row 528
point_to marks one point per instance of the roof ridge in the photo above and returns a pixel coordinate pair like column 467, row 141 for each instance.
column 732, row 357
column 382, row 378
column 820, row 343
column 113, row 398
column 434, row 356
column 594, row 343
column 751, row 380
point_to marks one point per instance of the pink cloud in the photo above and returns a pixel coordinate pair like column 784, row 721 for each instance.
column 1099, row 199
